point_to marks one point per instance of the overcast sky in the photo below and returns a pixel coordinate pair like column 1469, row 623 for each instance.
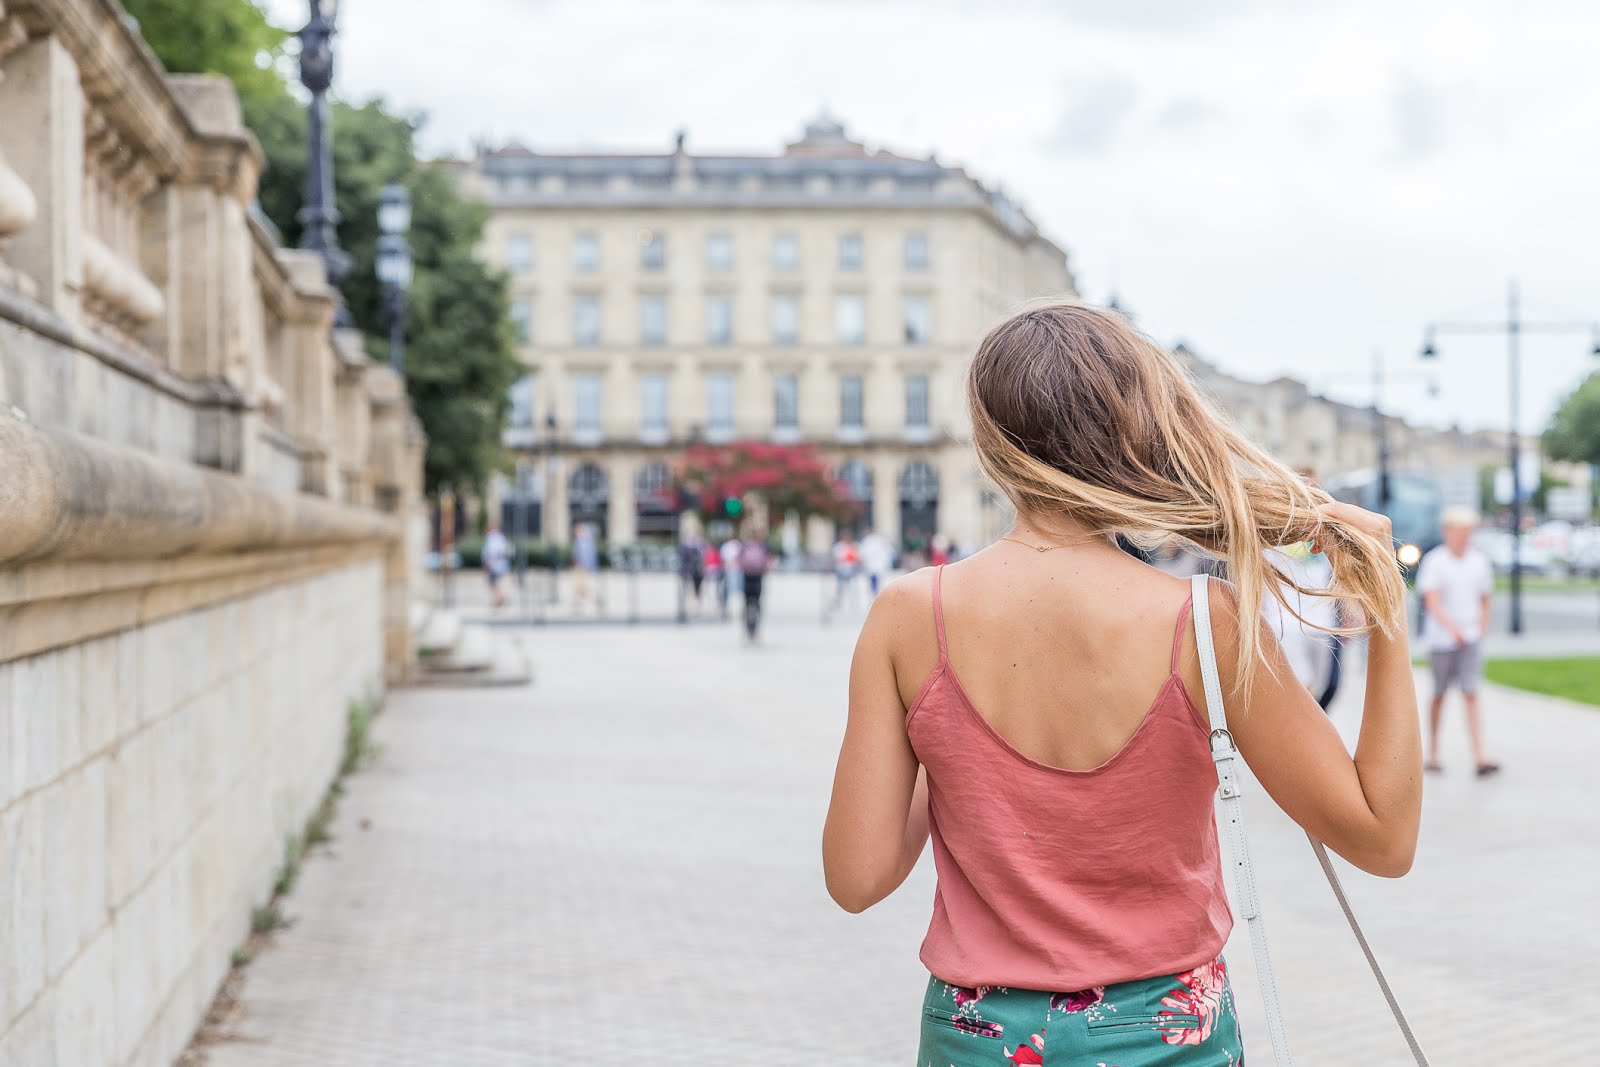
column 1286, row 185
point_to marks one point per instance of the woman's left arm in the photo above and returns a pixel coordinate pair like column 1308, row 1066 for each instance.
column 878, row 819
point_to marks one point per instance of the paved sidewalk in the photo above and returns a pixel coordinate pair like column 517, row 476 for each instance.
column 620, row 864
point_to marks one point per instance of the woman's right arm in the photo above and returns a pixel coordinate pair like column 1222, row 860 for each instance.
column 1366, row 807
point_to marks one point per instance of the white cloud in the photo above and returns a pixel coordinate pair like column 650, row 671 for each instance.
column 1288, row 186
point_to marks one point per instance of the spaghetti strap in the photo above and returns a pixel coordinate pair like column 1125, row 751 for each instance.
column 1177, row 631
column 938, row 611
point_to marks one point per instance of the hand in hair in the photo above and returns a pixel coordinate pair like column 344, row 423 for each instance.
column 1372, row 523
column 1365, row 806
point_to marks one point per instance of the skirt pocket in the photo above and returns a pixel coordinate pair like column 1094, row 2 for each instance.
column 965, row 1024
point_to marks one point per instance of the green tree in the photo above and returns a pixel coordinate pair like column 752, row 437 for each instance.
column 1574, row 431
column 228, row 37
column 460, row 352
column 1487, row 504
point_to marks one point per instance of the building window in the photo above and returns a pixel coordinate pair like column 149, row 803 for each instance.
column 719, row 404
column 785, row 319
column 719, row 319
column 850, row 319
column 652, row 249
column 918, row 320
column 522, row 319
column 786, row 401
column 719, row 252
column 585, row 253
column 520, row 404
column 586, row 403
column 653, row 405
column 519, row 253
column 786, row 252
column 586, row 320
column 850, row 251
column 653, row 320
column 916, row 401
column 850, row 402
column 916, row 251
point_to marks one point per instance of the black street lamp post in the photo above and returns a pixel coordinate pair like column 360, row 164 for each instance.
column 1513, row 327
column 393, row 264
column 519, row 529
column 552, row 446
column 1382, row 448
column 319, row 218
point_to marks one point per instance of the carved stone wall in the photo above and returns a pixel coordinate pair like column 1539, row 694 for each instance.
column 209, row 501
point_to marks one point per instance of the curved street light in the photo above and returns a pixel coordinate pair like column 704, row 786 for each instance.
column 319, row 217
column 393, row 267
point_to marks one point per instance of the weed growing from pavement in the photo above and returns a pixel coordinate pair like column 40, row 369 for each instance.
column 359, row 752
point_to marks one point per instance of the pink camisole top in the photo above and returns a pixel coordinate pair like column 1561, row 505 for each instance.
column 1062, row 880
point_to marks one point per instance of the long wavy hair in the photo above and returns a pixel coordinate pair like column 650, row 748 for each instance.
column 1076, row 413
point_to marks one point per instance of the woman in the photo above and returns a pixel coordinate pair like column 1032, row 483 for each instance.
column 1037, row 708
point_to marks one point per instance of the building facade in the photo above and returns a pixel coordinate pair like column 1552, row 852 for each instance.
column 829, row 294
column 1334, row 439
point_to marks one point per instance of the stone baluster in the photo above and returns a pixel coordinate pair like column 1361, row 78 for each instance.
column 386, row 447
column 41, row 94
column 310, row 367
column 118, row 296
column 17, row 205
column 354, row 416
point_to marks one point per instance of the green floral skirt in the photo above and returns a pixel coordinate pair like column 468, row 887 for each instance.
column 1186, row 1020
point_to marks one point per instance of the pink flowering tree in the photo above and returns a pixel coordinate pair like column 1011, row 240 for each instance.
column 789, row 478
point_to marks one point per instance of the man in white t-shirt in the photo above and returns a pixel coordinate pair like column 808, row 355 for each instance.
column 1457, row 587
column 877, row 556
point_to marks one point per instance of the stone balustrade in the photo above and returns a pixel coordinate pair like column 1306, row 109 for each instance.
column 210, row 528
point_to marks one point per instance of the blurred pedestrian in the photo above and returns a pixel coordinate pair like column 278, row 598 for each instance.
column 585, row 567
column 846, row 568
column 1457, row 587
column 496, row 562
column 1301, row 621
column 692, row 566
column 876, row 558
column 732, row 578
column 713, row 565
column 939, row 550
column 753, row 563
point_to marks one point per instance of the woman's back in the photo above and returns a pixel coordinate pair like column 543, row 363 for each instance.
column 1063, row 655
column 1069, row 776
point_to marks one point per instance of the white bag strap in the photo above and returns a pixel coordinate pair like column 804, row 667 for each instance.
column 1230, row 814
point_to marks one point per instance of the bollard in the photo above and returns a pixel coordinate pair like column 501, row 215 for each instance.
column 633, row 586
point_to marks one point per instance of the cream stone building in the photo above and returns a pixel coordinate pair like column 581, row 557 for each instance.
column 1332, row 438
column 829, row 294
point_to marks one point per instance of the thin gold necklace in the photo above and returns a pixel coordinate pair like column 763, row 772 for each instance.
column 1051, row 548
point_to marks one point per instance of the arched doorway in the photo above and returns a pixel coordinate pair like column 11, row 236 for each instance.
column 589, row 498
column 522, row 504
column 655, row 503
column 919, row 505
column 856, row 477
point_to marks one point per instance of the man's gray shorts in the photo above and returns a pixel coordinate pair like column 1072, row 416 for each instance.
column 1460, row 667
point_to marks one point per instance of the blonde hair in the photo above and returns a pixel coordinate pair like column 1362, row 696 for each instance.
column 1458, row 516
column 1076, row 413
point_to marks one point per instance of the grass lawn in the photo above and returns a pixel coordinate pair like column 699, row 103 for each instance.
column 1535, row 584
column 1573, row 677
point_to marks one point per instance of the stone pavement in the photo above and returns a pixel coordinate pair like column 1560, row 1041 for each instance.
column 621, row 864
